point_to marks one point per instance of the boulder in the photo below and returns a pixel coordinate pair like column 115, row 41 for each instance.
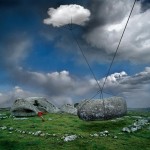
column 31, row 106
column 23, row 108
column 42, row 104
column 68, row 108
column 102, row 109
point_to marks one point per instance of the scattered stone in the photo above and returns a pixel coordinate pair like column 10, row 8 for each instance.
column 3, row 117
column 68, row 108
column 95, row 134
column 42, row 135
column 133, row 129
column 29, row 133
column 119, row 119
column 115, row 137
column 20, row 118
column 126, row 129
column 136, row 117
column 70, row 138
column 102, row 109
column 38, row 133
column 120, row 133
column 114, row 120
column 49, row 119
column 11, row 129
column 47, row 134
column 3, row 128
column 137, row 125
column 23, row 132
column 104, row 133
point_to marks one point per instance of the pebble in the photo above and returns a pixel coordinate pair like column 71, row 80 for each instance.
column 95, row 134
column 38, row 133
column 3, row 128
column 42, row 135
column 70, row 138
column 126, row 129
column 115, row 137
column 11, row 129
column 20, row 118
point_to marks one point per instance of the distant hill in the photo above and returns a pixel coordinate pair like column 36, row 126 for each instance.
column 140, row 109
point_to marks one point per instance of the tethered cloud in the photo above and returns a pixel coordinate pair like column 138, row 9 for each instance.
column 63, row 15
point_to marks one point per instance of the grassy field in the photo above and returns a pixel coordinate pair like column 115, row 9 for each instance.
column 58, row 126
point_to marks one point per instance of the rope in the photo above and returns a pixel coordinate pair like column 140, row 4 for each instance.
column 86, row 60
column 117, row 47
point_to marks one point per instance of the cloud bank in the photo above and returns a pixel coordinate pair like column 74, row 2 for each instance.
column 67, row 14
column 105, row 34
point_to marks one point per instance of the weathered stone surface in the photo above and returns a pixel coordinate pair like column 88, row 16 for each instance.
column 102, row 109
column 42, row 104
column 31, row 106
column 68, row 108
column 23, row 108
column 70, row 138
column 137, row 125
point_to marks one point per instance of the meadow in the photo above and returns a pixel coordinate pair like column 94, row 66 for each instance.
column 19, row 134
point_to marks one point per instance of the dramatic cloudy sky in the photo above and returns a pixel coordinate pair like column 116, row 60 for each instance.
column 39, row 55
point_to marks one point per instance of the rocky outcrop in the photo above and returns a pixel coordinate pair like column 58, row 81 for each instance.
column 102, row 109
column 68, row 108
column 23, row 108
column 42, row 104
column 31, row 106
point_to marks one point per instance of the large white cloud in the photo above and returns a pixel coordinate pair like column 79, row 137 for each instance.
column 65, row 13
column 135, row 44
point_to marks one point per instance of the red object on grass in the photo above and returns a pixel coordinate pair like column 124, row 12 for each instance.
column 40, row 113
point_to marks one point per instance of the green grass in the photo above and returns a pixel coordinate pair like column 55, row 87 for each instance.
column 62, row 124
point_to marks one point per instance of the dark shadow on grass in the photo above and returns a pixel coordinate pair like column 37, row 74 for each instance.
column 17, row 145
column 8, row 145
column 101, row 125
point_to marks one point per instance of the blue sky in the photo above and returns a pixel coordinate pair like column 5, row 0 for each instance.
column 43, row 59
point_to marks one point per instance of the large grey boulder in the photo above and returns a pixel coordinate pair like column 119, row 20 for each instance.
column 31, row 106
column 102, row 109
column 42, row 104
column 22, row 108
column 68, row 108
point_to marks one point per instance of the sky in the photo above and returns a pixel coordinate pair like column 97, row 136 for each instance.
column 41, row 43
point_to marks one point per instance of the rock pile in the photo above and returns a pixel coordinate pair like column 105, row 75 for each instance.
column 137, row 125
column 3, row 116
column 102, row 134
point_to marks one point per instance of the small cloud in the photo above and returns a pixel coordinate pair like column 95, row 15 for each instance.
column 63, row 15
column 18, row 89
